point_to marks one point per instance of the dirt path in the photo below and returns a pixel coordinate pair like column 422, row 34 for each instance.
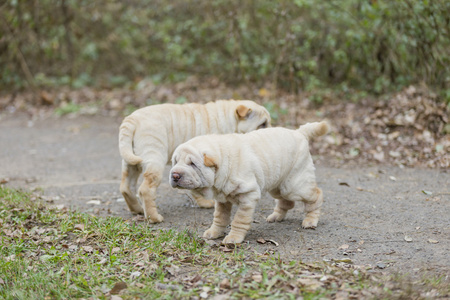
column 377, row 216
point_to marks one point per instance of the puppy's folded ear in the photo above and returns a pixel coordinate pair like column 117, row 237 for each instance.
column 243, row 111
column 209, row 161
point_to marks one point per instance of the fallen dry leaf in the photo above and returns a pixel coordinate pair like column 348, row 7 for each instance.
column 395, row 154
column 94, row 202
column 288, row 274
column 225, row 249
column 381, row 265
column 342, row 295
column 12, row 257
column 173, row 270
column 408, row 239
column 344, row 260
column 311, row 284
column 118, row 287
column 88, row 249
column 431, row 241
column 344, row 247
column 102, row 261
column 225, row 283
column 273, row 242
column 163, row 286
column 47, row 98
column 261, row 241
column 79, row 227
column 212, row 243
column 196, row 278
column 257, row 277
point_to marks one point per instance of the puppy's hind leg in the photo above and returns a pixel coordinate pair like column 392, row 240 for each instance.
column 313, row 203
column 280, row 210
column 130, row 175
column 147, row 192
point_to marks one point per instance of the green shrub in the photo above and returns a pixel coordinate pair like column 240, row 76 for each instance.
column 296, row 45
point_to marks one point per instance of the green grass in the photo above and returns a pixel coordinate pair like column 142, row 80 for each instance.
column 53, row 254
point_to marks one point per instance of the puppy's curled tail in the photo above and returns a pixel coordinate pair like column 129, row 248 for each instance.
column 314, row 129
column 126, row 135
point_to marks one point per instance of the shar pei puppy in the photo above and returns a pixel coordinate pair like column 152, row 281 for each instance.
column 239, row 168
column 148, row 137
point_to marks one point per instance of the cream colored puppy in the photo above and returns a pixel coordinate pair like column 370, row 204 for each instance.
column 148, row 137
column 238, row 168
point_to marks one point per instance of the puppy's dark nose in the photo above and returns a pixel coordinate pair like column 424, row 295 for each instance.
column 176, row 176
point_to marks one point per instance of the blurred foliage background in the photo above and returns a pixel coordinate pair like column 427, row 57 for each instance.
column 295, row 45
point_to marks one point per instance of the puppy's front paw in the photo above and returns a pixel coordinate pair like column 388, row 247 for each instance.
column 156, row 218
column 310, row 223
column 275, row 217
column 233, row 239
column 212, row 233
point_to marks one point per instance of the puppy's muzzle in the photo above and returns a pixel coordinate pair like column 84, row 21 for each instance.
column 175, row 177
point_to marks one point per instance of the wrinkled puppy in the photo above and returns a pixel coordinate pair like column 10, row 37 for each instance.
column 148, row 137
column 238, row 168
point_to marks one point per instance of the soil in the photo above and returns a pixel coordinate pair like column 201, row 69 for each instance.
column 388, row 218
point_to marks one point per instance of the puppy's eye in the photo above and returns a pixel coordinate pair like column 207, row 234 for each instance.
column 263, row 125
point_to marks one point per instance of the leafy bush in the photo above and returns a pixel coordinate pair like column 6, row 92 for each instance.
column 296, row 45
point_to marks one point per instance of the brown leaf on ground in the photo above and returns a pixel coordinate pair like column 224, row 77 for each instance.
column 172, row 270
column 309, row 283
column 273, row 242
column 79, row 227
column 88, row 249
column 196, row 278
column 119, row 286
column 226, row 249
column 225, row 284
column 257, row 277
